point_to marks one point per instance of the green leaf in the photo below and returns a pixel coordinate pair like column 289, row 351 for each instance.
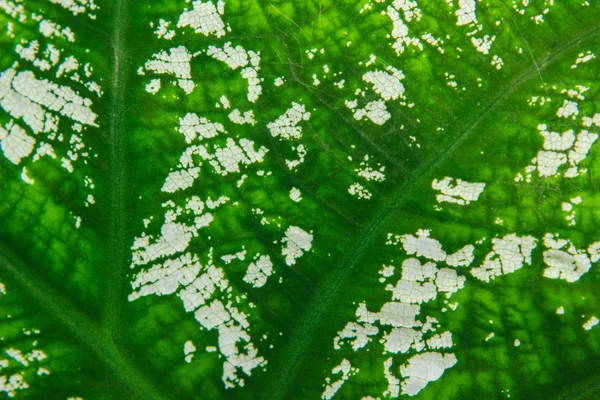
column 299, row 199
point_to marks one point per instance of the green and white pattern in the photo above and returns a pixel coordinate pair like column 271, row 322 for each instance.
column 309, row 199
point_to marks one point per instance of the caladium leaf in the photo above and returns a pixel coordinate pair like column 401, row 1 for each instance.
column 299, row 199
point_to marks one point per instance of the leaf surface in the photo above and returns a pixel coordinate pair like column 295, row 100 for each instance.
column 296, row 200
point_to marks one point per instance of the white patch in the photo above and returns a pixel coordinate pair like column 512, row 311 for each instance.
column 345, row 369
column 555, row 140
column 583, row 58
column 393, row 389
column 400, row 32
column 447, row 280
column 359, row 332
column 163, row 30
column 568, row 109
column 153, row 87
column 240, row 255
column 26, row 178
column 238, row 118
column 224, row 160
column 225, row 101
column 180, row 180
column 258, row 271
column 376, row 111
column 24, row 96
column 387, row 271
column 440, row 341
column 568, row 208
column 237, row 57
column 398, row 325
column 462, row 258
column 435, row 42
column 424, row 368
column 176, row 63
column 386, row 85
column 576, row 200
column 359, row 191
column 70, row 64
column 548, row 162
column 301, row 151
column 286, row 126
column 394, row 314
column 401, row 340
column 295, row 195
column 423, row 246
column 203, row 18
column 460, row 193
column 19, row 363
column 50, row 29
column 590, row 323
column 194, row 127
column 297, row 242
column 234, row 57
column 560, row 149
column 417, row 282
column 16, row 144
column 594, row 250
column 77, row 6
column 563, row 260
column 196, row 284
column 497, row 62
column 340, row 84
column 509, row 254
column 367, row 172
column 188, row 350
column 466, row 12
column 484, row 44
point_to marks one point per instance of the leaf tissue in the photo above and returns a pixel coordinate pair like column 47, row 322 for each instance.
column 308, row 199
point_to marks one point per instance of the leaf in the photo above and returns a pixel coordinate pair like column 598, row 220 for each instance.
column 309, row 199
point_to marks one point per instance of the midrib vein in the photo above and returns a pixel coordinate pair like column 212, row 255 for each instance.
column 116, row 205
column 112, row 315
